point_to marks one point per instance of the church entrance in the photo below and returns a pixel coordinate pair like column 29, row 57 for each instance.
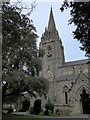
column 85, row 100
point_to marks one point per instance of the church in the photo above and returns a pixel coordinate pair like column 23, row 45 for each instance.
column 69, row 82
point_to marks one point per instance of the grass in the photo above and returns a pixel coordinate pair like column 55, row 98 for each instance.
column 19, row 117
column 24, row 117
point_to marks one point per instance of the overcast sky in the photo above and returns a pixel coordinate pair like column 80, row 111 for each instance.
column 40, row 18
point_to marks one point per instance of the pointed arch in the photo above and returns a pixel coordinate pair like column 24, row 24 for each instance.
column 65, row 92
column 65, row 88
column 81, row 88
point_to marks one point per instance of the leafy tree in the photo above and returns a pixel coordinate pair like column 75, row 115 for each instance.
column 80, row 16
column 20, row 61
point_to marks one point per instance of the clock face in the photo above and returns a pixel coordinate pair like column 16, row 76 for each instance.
column 49, row 54
column 49, row 51
column 49, row 75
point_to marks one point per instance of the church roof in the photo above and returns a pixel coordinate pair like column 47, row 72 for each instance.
column 67, row 77
column 71, row 77
column 71, row 63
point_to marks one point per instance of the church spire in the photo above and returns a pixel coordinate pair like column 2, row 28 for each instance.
column 51, row 23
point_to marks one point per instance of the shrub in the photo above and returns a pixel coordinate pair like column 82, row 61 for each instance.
column 46, row 112
column 37, row 106
column 7, row 110
column 31, row 110
column 49, row 106
column 25, row 106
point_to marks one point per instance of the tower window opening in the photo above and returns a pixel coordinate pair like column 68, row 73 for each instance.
column 66, row 98
column 49, row 47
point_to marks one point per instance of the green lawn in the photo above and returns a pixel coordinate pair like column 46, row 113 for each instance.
column 19, row 117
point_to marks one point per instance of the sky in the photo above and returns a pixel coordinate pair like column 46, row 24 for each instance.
column 40, row 17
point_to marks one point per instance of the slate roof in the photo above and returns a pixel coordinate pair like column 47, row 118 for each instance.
column 71, row 63
column 71, row 77
column 67, row 77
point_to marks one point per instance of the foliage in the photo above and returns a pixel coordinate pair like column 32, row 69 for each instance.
column 80, row 16
column 46, row 112
column 20, row 117
column 37, row 106
column 25, row 105
column 7, row 110
column 31, row 110
column 49, row 106
column 20, row 61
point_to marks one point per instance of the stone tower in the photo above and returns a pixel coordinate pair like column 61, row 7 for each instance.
column 53, row 49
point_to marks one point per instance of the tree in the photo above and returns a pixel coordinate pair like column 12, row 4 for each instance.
column 80, row 16
column 20, row 61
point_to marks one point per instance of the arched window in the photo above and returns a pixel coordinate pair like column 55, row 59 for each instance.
column 65, row 91
column 66, row 97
